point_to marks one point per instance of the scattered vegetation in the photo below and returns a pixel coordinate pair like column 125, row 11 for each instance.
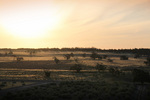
column 47, row 74
column 79, row 90
column 94, row 56
column 110, row 60
column 67, row 56
column 56, row 60
column 148, row 61
column 105, row 56
column 76, row 60
column 71, row 54
column 19, row 59
column 140, row 76
column 109, row 87
column 76, row 67
column 100, row 67
column 115, row 71
column 137, row 56
column 123, row 57
column 84, row 55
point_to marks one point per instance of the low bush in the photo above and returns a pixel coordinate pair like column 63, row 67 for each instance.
column 47, row 74
column 76, row 67
column 100, row 67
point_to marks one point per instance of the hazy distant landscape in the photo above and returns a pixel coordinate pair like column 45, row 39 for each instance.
column 122, row 74
column 74, row 50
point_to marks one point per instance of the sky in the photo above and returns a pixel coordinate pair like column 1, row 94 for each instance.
column 106, row 24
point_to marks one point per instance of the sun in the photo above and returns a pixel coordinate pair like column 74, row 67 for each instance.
column 32, row 27
column 31, row 23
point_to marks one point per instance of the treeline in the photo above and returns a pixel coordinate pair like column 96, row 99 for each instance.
column 139, row 51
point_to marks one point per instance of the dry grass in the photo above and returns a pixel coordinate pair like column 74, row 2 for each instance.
column 32, row 67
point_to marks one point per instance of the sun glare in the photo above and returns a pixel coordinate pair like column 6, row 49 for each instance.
column 31, row 28
column 31, row 24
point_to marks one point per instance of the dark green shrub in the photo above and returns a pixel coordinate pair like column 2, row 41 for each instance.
column 19, row 59
column 115, row 71
column 71, row 54
column 140, row 76
column 100, row 67
column 76, row 67
column 110, row 60
column 56, row 60
column 47, row 74
column 10, row 52
column 148, row 61
column 123, row 57
column 137, row 56
column 84, row 55
column 67, row 56
column 94, row 55
column 76, row 60
column 104, row 56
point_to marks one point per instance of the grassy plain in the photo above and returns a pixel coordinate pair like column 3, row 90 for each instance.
column 33, row 67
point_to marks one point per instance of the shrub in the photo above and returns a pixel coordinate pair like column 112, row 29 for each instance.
column 136, row 56
column 123, row 57
column 47, row 74
column 140, row 76
column 100, row 67
column 76, row 60
column 112, row 70
column 19, row 59
column 67, row 56
column 6, row 53
column 104, row 56
column 148, row 61
column 94, row 55
column 84, row 55
column 71, row 54
column 115, row 71
column 10, row 52
column 76, row 67
column 99, row 57
column 110, row 60
column 56, row 60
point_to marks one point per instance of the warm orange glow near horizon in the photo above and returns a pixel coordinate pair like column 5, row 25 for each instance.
column 74, row 23
column 26, row 22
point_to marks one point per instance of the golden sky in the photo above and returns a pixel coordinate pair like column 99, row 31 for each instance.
column 75, row 23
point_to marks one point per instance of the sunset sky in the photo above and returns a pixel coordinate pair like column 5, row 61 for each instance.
column 75, row 23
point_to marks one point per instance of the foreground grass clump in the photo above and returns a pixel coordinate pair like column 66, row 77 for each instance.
column 79, row 90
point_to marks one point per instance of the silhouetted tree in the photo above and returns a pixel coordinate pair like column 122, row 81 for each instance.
column 67, row 56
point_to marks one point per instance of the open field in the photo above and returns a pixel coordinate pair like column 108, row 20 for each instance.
column 34, row 66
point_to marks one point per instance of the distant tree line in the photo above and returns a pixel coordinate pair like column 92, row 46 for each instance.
column 137, row 52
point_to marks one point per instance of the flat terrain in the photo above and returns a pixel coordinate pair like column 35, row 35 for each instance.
column 31, row 70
